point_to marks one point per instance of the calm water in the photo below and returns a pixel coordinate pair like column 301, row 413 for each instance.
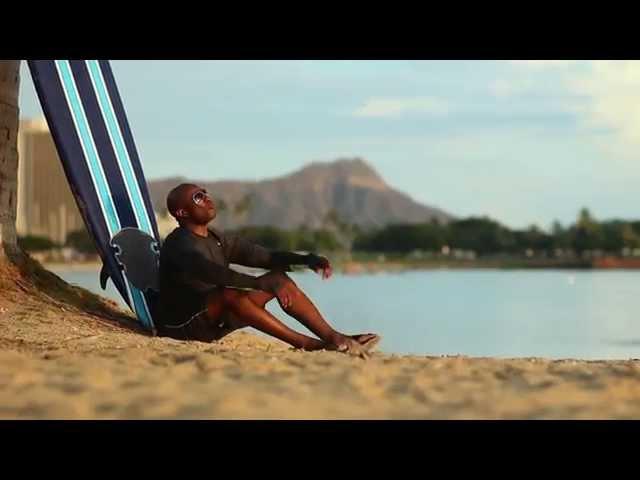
column 556, row 314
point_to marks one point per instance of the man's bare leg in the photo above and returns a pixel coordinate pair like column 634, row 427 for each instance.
column 245, row 306
column 303, row 310
column 261, row 299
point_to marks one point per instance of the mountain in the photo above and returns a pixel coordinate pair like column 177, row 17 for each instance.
column 346, row 190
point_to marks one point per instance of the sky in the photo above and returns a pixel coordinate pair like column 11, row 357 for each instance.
column 523, row 142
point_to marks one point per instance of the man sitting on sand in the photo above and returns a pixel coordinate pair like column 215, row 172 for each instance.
column 201, row 298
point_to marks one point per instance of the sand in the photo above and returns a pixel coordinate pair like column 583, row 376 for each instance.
column 59, row 362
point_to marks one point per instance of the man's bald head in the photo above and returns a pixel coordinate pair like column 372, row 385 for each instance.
column 180, row 197
column 182, row 205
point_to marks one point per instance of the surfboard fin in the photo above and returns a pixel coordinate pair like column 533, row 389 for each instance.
column 104, row 276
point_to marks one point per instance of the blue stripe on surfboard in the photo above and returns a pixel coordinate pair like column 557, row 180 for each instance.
column 108, row 159
column 141, row 306
column 136, row 163
column 118, row 141
column 90, row 151
column 138, row 301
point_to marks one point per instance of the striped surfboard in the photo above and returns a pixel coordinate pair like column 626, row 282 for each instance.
column 93, row 138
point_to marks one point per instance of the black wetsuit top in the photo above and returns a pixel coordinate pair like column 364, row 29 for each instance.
column 192, row 266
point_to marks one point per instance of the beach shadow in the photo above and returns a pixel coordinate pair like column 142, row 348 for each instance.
column 29, row 278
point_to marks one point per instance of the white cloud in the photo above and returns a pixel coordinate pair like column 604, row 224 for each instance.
column 604, row 94
column 613, row 92
column 537, row 76
column 395, row 107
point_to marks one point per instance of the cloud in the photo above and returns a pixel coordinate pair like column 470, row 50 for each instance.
column 537, row 77
column 605, row 95
column 395, row 107
column 612, row 90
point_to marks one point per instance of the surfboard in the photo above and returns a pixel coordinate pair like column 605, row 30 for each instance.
column 87, row 120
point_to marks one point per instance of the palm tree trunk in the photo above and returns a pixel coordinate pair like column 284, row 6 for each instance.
column 9, row 113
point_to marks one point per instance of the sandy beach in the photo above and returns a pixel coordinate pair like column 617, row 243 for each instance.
column 81, row 360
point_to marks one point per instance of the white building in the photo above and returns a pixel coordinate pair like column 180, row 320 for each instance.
column 46, row 206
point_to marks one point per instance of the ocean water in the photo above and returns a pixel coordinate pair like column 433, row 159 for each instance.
column 497, row 313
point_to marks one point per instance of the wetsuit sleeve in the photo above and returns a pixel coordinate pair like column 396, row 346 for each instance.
column 218, row 275
column 245, row 252
column 201, row 268
column 284, row 259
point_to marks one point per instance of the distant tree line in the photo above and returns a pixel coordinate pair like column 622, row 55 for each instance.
column 301, row 239
column 481, row 235
column 36, row 243
column 79, row 240
column 485, row 236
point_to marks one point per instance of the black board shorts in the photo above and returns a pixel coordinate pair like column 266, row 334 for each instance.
column 202, row 328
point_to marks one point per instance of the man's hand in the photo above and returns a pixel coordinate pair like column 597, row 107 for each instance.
column 320, row 265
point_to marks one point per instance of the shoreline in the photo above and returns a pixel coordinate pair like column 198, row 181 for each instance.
column 369, row 267
column 73, row 266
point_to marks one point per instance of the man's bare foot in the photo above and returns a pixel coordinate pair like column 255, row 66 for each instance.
column 346, row 344
column 358, row 345
column 367, row 340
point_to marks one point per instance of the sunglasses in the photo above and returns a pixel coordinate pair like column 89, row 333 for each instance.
column 200, row 196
